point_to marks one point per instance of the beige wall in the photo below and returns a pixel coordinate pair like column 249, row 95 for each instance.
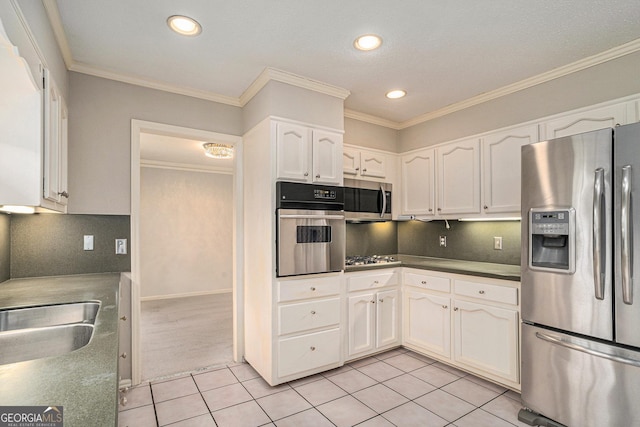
column 291, row 102
column 369, row 135
column 5, row 247
column 604, row 82
column 186, row 232
column 100, row 113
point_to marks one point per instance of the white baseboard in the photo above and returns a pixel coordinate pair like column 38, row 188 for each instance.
column 186, row 295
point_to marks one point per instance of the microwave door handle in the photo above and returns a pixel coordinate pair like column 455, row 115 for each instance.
column 625, row 235
column 384, row 201
column 598, row 193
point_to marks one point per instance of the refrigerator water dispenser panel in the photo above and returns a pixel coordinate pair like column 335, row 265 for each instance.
column 552, row 240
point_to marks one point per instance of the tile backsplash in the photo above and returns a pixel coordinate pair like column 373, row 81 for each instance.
column 52, row 244
column 376, row 238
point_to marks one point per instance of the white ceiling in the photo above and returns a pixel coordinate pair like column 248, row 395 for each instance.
column 171, row 151
column 441, row 52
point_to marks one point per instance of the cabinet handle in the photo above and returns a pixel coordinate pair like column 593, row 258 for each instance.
column 430, row 210
column 364, row 170
column 313, row 288
column 445, row 306
column 123, row 318
column 381, row 300
column 439, row 209
column 481, row 292
column 123, row 355
column 64, row 194
column 318, row 176
column 306, row 174
column 424, row 282
column 486, row 207
column 313, row 312
column 373, row 301
column 312, row 348
column 375, row 282
column 455, row 308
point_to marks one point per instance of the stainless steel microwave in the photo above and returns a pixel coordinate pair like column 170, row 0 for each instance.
column 366, row 201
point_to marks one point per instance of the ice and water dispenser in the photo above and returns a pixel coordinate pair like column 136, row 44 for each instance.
column 552, row 240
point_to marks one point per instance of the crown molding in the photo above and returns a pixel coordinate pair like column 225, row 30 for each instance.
column 159, row 164
column 583, row 64
column 53, row 13
column 363, row 117
column 153, row 84
column 273, row 74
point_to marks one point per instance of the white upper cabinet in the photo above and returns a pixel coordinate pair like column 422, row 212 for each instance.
column 458, row 182
column 364, row 164
column 418, row 183
column 501, row 168
column 308, row 155
column 55, row 144
column 327, row 152
column 587, row 120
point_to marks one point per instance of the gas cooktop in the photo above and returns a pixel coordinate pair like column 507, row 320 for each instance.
column 365, row 260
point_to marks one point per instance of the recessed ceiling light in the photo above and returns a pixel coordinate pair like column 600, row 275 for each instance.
column 394, row 94
column 367, row 42
column 184, row 25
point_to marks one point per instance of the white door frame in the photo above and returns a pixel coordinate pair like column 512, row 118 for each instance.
column 138, row 127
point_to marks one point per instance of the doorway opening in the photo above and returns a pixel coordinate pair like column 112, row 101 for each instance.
column 186, row 250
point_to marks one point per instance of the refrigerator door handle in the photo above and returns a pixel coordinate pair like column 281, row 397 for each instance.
column 574, row 346
column 598, row 212
column 625, row 235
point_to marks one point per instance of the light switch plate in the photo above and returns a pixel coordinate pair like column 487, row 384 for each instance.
column 121, row 246
column 88, row 242
column 497, row 243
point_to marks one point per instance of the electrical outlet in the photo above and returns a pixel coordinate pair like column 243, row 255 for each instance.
column 121, row 246
column 88, row 242
column 443, row 241
column 497, row 243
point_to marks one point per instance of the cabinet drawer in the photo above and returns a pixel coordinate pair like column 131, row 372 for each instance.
column 292, row 290
column 435, row 283
column 308, row 352
column 372, row 281
column 309, row 315
column 487, row 292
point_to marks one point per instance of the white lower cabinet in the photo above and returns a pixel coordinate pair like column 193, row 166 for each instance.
column 468, row 322
column 427, row 324
column 308, row 322
column 486, row 338
column 373, row 312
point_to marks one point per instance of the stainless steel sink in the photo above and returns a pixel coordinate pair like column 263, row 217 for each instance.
column 45, row 331
column 48, row 315
column 35, row 343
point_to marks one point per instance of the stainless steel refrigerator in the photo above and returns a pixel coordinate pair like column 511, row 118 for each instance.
column 580, row 299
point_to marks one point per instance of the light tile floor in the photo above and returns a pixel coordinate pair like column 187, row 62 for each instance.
column 395, row 388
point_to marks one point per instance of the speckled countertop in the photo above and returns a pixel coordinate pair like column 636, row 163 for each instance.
column 85, row 381
column 472, row 268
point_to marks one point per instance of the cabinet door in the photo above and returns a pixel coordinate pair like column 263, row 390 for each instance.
column 52, row 139
column 418, row 183
column 387, row 306
column 486, row 338
column 427, row 323
column 350, row 161
column 361, row 316
column 501, row 171
column 293, row 152
column 373, row 164
column 585, row 121
column 327, row 155
column 458, row 166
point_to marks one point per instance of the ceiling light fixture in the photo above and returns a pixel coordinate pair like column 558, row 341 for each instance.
column 184, row 25
column 395, row 94
column 218, row 151
column 368, row 42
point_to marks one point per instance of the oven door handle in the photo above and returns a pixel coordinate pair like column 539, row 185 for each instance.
column 384, row 201
column 286, row 216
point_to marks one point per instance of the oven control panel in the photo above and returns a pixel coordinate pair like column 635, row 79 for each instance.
column 324, row 194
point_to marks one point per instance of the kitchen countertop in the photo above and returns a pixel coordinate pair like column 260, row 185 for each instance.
column 84, row 382
column 472, row 268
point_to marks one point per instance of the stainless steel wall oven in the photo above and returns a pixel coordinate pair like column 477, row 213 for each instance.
column 310, row 229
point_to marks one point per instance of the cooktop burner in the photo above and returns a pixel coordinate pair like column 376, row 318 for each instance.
column 370, row 259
